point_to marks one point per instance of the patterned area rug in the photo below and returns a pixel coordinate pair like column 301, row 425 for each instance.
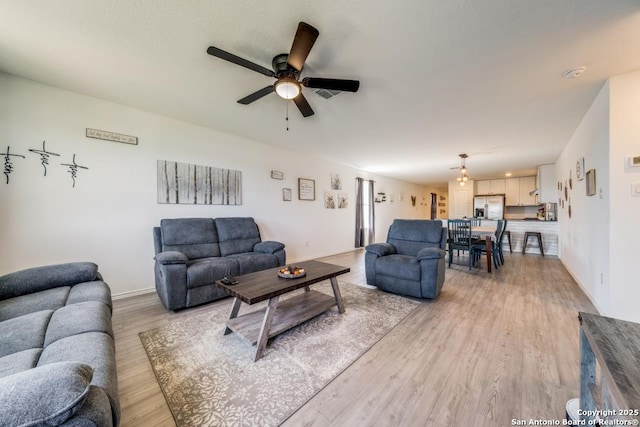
column 210, row 379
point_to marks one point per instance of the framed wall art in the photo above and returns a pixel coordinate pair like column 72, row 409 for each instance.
column 591, row 182
column 286, row 194
column 580, row 169
column 306, row 189
column 277, row 175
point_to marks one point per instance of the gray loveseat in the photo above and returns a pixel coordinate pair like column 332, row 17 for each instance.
column 57, row 353
column 192, row 253
column 411, row 262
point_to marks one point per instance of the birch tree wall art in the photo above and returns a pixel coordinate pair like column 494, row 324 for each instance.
column 183, row 183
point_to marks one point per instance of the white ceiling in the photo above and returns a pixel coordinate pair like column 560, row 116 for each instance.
column 438, row 77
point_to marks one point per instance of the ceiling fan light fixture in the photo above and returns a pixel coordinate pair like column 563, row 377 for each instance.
column 287, row 88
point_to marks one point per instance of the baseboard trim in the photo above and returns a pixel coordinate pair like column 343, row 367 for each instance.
column 135, row 293
column 586, row 291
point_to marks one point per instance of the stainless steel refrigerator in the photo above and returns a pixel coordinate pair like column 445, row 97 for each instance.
column 489, row 207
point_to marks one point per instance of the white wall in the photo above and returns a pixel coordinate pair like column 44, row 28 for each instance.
column 584, row 238
column 599, row 241
column 624, row 212
column 107, row 218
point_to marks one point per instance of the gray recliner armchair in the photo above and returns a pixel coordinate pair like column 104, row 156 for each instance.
column 192, row 253
column 411, row 262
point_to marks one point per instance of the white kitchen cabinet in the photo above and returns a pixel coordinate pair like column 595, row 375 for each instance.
column 490, row 186
column 517, row 191
column 546, row 183
column 498, row 186
column 527, row 185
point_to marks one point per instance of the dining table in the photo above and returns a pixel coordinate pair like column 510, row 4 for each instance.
column 489, row 233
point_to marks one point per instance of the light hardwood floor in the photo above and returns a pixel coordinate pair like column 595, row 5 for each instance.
column 491, row 348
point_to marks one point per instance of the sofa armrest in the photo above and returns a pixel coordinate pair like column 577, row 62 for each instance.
column 171, row 257
column 430, row 253
column 46, row 277
column 381, row 249
column 268, row 247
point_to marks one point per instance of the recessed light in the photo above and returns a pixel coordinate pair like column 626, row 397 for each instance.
column 508, row 174
column 573, row 73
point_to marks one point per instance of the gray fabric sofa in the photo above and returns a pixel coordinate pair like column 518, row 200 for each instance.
column 192, row 253
column 411, row 262
column 57, row 353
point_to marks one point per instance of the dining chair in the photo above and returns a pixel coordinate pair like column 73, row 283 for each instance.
column 500, row 239
column 480, row 246
column 459, row 231
column 475, row 222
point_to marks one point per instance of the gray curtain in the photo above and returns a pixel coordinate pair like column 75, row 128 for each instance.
column 360, row 239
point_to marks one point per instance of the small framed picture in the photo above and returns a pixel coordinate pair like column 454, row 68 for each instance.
column 591, row 182
column 286, row 194
column 580, row 169
column 306, row 189
column 277, row 175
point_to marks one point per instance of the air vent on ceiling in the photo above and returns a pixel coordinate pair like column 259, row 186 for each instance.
column 328, row 93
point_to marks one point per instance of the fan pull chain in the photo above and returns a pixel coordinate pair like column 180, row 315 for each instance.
column 287, row 117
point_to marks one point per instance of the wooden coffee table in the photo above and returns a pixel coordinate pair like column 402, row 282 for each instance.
column 258, row 326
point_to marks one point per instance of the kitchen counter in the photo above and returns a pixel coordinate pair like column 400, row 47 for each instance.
column 549, row 230
column 517, row 227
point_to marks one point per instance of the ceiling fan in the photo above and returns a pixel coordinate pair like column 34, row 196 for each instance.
column 286, row 71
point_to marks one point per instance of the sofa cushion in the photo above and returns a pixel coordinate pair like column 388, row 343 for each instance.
column 19, row 361
column 46, row 277
column 237, row 235
column 254, row 261
column 51, row 299
column 44, row 396
column 74, row 319
column 400, row 266
column 205, row 271
column 95, row 349
column 90, row 291
column 194, row 237
column 24, row 332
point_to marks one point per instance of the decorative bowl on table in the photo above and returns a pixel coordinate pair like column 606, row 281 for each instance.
column 292, row 272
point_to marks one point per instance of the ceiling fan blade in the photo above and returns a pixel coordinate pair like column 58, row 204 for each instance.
column 303, row 41
column 331, row 84
column 303, row 105
column 256, row 95
column 239, row 61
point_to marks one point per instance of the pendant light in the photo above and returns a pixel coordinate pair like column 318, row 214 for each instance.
column 464, row 177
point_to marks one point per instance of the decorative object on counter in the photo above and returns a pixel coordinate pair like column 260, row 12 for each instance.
column 286, row 194
column 580, row 169
column 184, row 183
column 306, row 189
column 111, row 136
column 336, row 182
column 591, row 182
column 277, row 175
column 464, row 177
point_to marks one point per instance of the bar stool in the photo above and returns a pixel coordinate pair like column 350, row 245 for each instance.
column 507, row 234
column 532, row 234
